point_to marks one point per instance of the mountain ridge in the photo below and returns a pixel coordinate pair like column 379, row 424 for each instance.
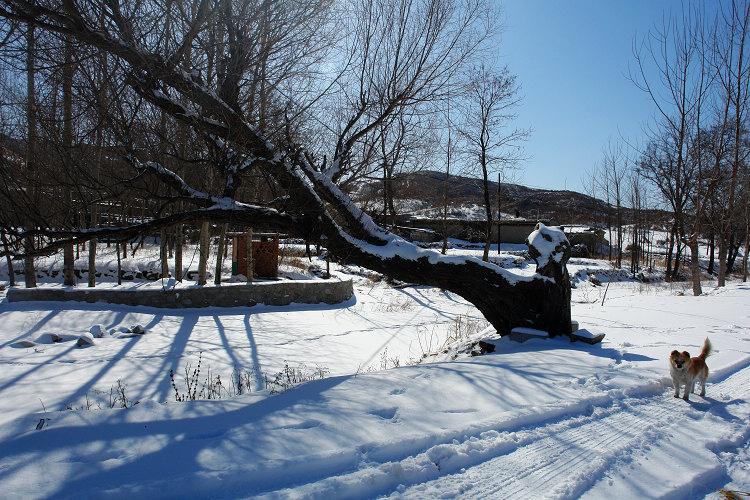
column 424, row 191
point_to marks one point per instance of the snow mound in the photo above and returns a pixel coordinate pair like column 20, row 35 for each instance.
column 549, row 242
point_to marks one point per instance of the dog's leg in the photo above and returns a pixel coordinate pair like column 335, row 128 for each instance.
column 703, row 386
column 676, row 387
column 689, row 385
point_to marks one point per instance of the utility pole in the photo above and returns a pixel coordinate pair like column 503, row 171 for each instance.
column 499, row 194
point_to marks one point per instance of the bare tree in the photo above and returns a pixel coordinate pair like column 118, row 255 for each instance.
column 309, row 202
column 677, row 91
column 615, row 168
column 734, row 77
column 401, row 53
column 489, row 141
column 29, row 271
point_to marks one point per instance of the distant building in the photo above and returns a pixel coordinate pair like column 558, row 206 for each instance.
column 511, row 231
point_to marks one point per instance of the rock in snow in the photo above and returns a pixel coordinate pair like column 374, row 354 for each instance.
column 85, row 340
column 49, row 338
column 588, row 336
column 98, row 331
column 521, row 334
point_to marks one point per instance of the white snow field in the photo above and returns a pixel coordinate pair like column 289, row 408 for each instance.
column 546, row 418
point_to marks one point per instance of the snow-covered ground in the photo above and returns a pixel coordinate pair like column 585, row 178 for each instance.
column 395, row 414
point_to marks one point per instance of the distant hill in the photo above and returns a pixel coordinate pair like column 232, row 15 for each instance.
column 421, row 194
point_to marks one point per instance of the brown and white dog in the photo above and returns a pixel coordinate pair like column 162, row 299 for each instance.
column 685, row 370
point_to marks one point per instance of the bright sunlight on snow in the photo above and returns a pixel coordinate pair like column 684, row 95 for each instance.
column 379, row 396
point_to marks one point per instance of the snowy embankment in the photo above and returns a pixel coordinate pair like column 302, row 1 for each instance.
column 542, row 419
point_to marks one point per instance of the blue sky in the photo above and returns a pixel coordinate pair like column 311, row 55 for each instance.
column 571, row 58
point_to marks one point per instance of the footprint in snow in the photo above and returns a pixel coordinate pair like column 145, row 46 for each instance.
column 385, row 413
column 305, row 424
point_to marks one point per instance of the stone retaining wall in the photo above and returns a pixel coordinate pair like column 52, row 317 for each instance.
column 275, row 293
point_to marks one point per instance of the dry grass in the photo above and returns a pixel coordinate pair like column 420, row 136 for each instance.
column 296, row 262
column 396, row 305
column 734, row 494
column 432, row 341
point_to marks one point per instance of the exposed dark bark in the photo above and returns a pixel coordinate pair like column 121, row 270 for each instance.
column 204, row 247
column 220, row 253
column 711, row 250
column 695, row 271
column 67, row 138
column 92, row 262
column 163, row 253
column 28, row 267
column 734, row 249
column 178, row 252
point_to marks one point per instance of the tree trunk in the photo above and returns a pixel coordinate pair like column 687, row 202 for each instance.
column 69, row 277
column 28, row 264
column 203, row 259
column 95, row 212
column 634, row 252
column 220, row 253
column 488, row 213
column 92, row 262
column 178, row 252
column 744, row 257
column 619, row 231
column 317, row 207
column 445, row 197
column 29, row 271
column 695, row 271
column 499, row 198
column 711, row 249
column 677, row 257
column 163, row 253
column 723, row 250
column 669, row 255
column 505, row 301
column 119, row 264
column 734, row 249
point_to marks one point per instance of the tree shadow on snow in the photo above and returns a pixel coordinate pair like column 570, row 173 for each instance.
column 182, row 445
column 565, row 344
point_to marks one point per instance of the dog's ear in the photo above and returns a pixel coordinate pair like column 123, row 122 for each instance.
column 674, row 354
column 686, row 354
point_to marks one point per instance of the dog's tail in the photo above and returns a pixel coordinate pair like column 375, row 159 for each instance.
column 707, row 348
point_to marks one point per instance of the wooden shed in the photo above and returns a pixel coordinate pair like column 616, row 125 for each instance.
column 265, row 255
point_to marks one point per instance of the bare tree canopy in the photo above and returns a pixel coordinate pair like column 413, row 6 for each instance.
column 489, row 143
column 695, row 69
column 207, row 100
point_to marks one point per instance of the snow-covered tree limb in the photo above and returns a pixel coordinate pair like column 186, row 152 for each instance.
column 313, row 204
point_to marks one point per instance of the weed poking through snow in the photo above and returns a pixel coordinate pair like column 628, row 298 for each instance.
column 211, row 387
column 289, row 377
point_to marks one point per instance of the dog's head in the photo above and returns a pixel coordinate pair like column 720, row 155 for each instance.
column 680, row 360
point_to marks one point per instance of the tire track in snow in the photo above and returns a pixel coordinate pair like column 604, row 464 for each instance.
column 559, row 459
column 566, row 464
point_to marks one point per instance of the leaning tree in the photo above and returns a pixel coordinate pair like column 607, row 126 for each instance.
column 223, row 74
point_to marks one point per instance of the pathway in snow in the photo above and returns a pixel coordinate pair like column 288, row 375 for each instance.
column 619, row 446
